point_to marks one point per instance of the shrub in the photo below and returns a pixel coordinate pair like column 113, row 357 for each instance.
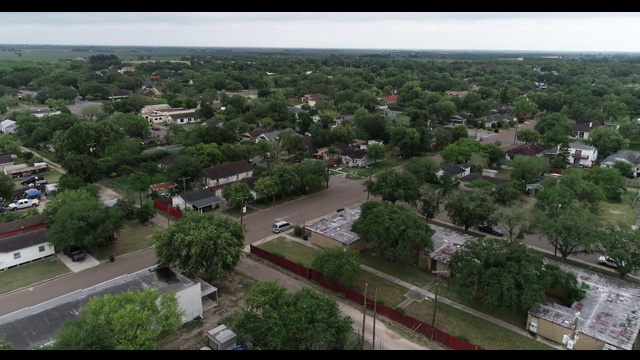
column 339, row 210
column 400, row 309
column 462, row 337
column 496, row 130
column 297, row 230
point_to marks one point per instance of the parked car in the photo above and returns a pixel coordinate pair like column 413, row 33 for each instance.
column 281, row 226
column 607, row 261
column 24, row 204
column 490, row 229
column 75, row 253
column 31, row 180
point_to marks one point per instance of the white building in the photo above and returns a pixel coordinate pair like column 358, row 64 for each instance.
column 24, row 247
column 8, row 126
column 580, row 154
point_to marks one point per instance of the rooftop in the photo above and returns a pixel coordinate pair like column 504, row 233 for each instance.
column 337, row 226
column 609, row 312
column 35, row 326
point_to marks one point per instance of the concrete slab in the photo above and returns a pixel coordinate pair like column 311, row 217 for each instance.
column 76, row 266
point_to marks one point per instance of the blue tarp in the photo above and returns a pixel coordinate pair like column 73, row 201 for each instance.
column 32, row 193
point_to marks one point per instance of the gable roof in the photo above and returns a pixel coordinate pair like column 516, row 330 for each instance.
column 167, row 159
column 490, row 179
column 163, row 186
column 355, row 153
column 6, row 123
column 25, row 223
column 587, row 126
column 169, row 148
column 215, row 122
column 528, row 149
column 624, row 155
column 454, row 169
column 228, row 169
column 251, row 181
column 196, row 195
column 392, row 98
column 121, row 92
column 23, row 240
column 5, row 159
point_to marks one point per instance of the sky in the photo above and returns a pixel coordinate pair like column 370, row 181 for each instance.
column 532, row 31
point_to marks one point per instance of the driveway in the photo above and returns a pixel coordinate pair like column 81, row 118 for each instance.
column 506, row 137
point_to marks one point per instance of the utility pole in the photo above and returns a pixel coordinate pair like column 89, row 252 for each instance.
column 364, row 312
column 243, row 209
column 184, row 184
column 370, row 175
column 515, row 137
column 435, row 302
column 375, row 305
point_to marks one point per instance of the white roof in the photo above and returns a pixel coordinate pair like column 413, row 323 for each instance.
column 6, row 123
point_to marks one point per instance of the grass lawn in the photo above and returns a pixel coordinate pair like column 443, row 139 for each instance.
column 387, row 292
column 126, row 183
column 133, row 237
column 473, row 329
column 383, row 165
column 291, row 250
column 623, row 211
column 31, row 273
column 235, row 212
column 401, row 270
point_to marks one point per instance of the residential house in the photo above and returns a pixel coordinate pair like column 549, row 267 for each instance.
column 626, row 156
column 168, row 148
column 214, row 123
column 20, row 226
column 312, row 99
column 24, row 247
column 119, row 94
column 200, row 200
column 155, row 114
column 459, row 118
column 334, row 230
column 536, row 183
column 182, row 116
column 253, row 134
column 162, row 189
column 581, row 155
column 343, row 118
column 488, row 121
column 8, row 126
column 581, row 129
column 40, row 113
column 527, row 149
column 6, row 160
column 456, row 170
column 125, row 69
column 391, row 98
column 166, row 160
column 394, row 111
column 381, row 105
column 364, row 144
column 456, row 93
column 268, row 136
column 356, row 158
column 488, row 175
column 296, row 110
column 148, row 85
column 227, row 173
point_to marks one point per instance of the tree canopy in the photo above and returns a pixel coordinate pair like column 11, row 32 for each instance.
column 201, row 243
column 274, row 319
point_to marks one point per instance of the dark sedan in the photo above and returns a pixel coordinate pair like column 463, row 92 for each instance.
column 490, row 229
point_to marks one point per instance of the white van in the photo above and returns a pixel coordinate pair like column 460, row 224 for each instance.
column 281, row 226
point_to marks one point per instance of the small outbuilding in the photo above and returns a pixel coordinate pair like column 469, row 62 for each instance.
column 221, row 338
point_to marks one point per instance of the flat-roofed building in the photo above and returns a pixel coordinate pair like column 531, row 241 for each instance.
column 335, row 230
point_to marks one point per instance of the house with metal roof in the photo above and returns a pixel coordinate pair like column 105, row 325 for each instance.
column 23, row 247
column 227, row 173
column 625, row 156
column 335, row 230
column 200, row 200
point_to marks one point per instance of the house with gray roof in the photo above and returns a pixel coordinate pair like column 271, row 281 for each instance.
column 200, row 200
column 167, row 148
column 216, row 176
column 581, row 130
column 456, row 170
column 24, row 247
column 8, row 126
column 625, row 156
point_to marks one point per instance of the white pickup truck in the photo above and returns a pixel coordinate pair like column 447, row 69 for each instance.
column 23, row 204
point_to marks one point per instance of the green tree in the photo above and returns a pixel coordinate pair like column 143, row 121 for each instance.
column 7, row 187
column 272, row 152
column 460, row 151
column 395, row 186
column 432, row 197
column 145, row 212
column 133, row 320
column 406, row 139
column 338, row 265
column 607, row 140
column 310, row 174
column 140, row 182
column 516, row 222
column 621, row 243
column 610, row 180
column 424, row 169
column 9, row 144
column 237, row 194
column 275, row 319
column 459, row 132
column 528, row 135
column 77, row 217
column 571, row 230
column 393, row 231
column 211, row 245
column 375, row 152
column 267, row 187
column 184, row 167
column 525, row 168
column 509, row 193
column 507, row 274
column 72, row 182
column 286, row 180
column 625, row 168
column 468, row 209
column 5, row 345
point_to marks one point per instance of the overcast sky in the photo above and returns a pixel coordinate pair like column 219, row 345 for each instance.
column 608, row 31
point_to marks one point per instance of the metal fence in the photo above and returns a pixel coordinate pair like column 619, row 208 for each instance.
column 409, row 322
column 167, row 209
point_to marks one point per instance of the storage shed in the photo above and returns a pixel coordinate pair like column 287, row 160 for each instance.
column 221, row 338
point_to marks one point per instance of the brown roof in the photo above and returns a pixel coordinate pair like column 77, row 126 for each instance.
column 228, row 169
column 163, row 186
column 355, row 154
column 10, row 226
column 529, row 149
column 587, row 126
column 492, row 180
column 23, row 240
column 167, row 159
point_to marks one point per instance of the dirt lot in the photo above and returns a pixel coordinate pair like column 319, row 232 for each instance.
column 231, row 293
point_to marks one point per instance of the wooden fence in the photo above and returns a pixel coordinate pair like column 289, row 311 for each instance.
column 168, row 209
